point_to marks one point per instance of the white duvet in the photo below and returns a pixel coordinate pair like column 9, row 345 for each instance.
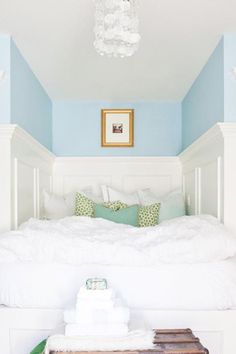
column 80, row 240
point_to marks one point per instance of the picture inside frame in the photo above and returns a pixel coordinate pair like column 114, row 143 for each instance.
column 117, row 127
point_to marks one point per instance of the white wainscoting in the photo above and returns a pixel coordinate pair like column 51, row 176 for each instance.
column 160, row 174
column 202, row 174
column 209, row 174
column 25, row 170
column 206, row 171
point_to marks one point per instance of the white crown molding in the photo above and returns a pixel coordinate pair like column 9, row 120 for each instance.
column 219, row 130
column 7, row 131
column 227, row 129
column 10, row 131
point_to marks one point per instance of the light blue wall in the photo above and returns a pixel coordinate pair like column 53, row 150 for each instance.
column 76, row 129
column 31, row 107
column 229, row 80
column 161, row 129
column 5, row 112
column 203, row 105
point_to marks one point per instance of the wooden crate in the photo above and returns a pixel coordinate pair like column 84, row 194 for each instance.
column 171, row 341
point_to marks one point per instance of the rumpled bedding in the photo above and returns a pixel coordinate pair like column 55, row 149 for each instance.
column 81, row 240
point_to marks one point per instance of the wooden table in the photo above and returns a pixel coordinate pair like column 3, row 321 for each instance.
column 171, row 341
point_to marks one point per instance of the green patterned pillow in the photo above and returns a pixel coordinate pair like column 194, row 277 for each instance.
column 84, row 206
column 117, row 205
column 149, row 215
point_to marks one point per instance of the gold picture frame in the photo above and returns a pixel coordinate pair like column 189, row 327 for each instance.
column 117, row 127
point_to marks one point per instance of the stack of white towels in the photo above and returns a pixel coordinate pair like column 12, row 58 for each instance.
column 97, row 312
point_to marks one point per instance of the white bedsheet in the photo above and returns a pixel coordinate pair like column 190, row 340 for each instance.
column 184, row 263
column 81, row 240
column 208, row 286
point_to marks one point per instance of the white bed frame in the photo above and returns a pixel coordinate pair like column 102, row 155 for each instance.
column 206, row 171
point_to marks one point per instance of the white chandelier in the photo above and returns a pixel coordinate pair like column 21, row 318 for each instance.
column 116, row 27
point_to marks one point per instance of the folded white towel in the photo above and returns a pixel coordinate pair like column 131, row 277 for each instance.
column 96, row 330
column 118, row 314
column 134, row 340
column 69, row 316
column 106, row 294
column 98, row 304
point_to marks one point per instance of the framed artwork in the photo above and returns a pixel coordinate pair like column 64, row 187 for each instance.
column 117, row 127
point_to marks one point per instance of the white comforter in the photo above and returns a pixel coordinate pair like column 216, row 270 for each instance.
column 81, row 240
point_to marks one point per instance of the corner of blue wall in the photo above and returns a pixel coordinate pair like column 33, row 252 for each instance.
column 203, row 105
column 31, row 107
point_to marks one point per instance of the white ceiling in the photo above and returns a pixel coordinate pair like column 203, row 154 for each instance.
column 56, row 38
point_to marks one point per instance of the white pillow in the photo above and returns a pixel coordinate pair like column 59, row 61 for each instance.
column 57, row 207
column 112, row 195
column 172, row 204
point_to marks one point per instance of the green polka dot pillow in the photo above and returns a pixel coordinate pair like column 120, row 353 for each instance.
column 117, row 205
column 84, row 206
column 149, row 215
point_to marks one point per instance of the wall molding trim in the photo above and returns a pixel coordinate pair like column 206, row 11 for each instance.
column 219, row 130
column 11, row 131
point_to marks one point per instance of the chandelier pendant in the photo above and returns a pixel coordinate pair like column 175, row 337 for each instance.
column 116, row 27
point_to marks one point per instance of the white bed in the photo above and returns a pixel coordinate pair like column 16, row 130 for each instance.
column 208, row 174
column 187, row 263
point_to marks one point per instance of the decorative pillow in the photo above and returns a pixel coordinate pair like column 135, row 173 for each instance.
column 172, row 204
column 127, row 215
column 57, row 206
column 148, row 215
column 84, row 206
column 117, row 205
column 112, row 195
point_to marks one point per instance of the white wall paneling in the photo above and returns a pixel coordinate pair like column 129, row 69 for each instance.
column 209, row 174
column 5, row 180
column 202, row 171
column 25, row 170
column 206, row 171
column 161, row 174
